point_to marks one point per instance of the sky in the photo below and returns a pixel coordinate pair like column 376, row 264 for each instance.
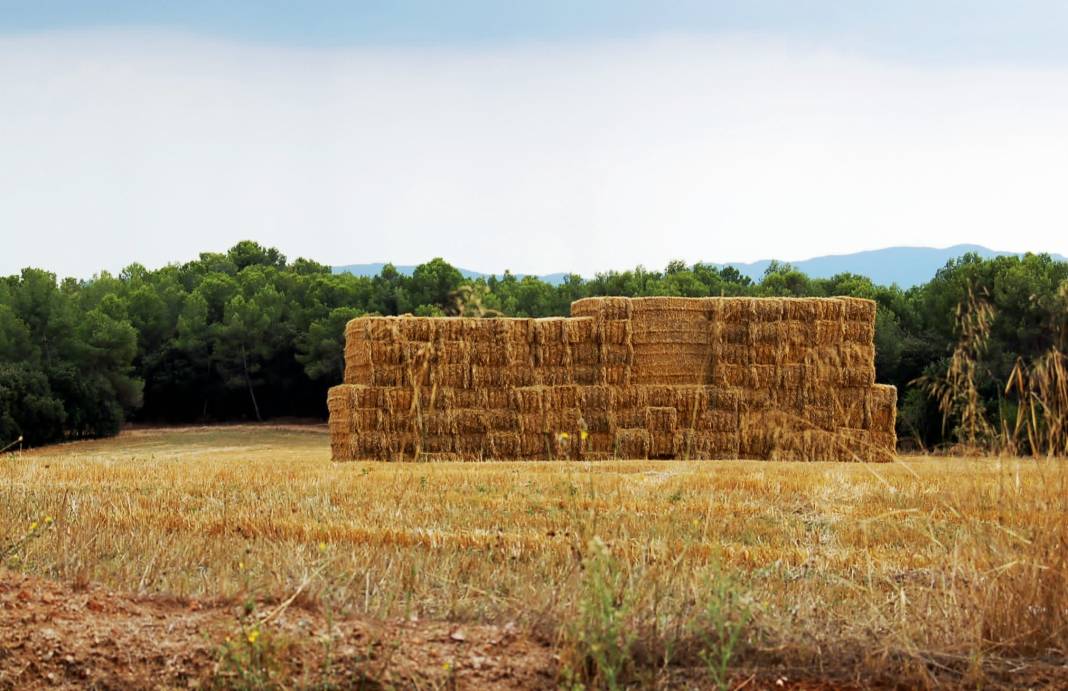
column 537, row 137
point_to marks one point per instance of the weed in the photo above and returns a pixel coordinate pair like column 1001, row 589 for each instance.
column 599, row 635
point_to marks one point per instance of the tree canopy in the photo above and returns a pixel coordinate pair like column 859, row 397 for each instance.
column 251, row 335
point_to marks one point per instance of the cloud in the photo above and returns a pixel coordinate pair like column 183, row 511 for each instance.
column 122, row 146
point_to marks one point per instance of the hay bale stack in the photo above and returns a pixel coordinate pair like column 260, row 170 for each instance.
column 651, row 377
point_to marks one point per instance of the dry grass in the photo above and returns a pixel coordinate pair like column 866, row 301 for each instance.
column 926, row 570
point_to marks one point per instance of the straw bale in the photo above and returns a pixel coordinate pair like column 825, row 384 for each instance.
column 359, row 375
column 690, row 401
column 599, row 420
column 858, row 309
column 600, row 442
column 552, row 376
column 767, row 310
column 471, row 446
column 437, row 424
column 553, row 355
column 602, row 307
column 699, row 445
column 883, row 409
column 612, row 354
column 389, row 375
column 627, row 418
column 533, row 444
column 503, row 444
column 470, row 420
column 586, row 374
column 493, row 354
column 830, row 309
column 563, row 420
column 632, row 443
column 585, row 354
column 828, row 332
column 596, row 398
column 724, row 399
column 858, row 332
column 717, row 421
column 618, row 375
column 763, row 376
column 800, row 310
column 631, row 396
column 730, row 375
column 662, row 444
column 558, row 397
column 494, row 398
column 615, row 332
column 479, row 330
column 530, row 399
column 734, row 333
column 677, row 334
column 661, row 419
column 452, row 375
column 580, row 330
column 531, row 422
column 550, row 330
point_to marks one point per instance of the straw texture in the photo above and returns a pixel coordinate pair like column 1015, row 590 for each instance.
column 657, row 377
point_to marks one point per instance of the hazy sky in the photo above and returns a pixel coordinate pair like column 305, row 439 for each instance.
column 548, row 136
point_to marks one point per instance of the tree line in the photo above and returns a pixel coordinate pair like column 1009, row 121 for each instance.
column 247, row 334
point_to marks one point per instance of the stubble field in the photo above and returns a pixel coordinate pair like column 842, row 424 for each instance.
column 241, row 556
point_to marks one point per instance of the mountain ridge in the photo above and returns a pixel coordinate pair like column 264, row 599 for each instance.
column 903, row 265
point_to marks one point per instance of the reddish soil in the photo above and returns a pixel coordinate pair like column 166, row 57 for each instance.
column 58, row 636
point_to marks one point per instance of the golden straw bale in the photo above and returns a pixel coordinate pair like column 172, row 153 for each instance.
column 596, row 398
column 553, row 355
column 615, row 332
column 492, row 354
column 558, row 397
column 502, row 444
column 550, row 330
column 883, row 408
column 766, row 310
column 533, row 444
column 599, row 420
column 470, row 420
column 586, row 374
column 767, row 333
column 800, row 310
column 717, row 421
column 437, row 423
column 828, row 332
column 763, row 376
column 617, row 375
column 630, row 418
column 661, row 419
column 858, row 309
column 602, row 307
column 563, row 420
column 553, row 376
column 734, row 333
column 612, row 354
column 829, row 309
column 585, row 354
column 600, row 442
column 470, row 446
column 389, row 375
column 791, row 376
column 731, row 376
column 662, row 444
column 531, row 422
column 632, row 443
column 724, row 399
column 579, row 330
column 528, row 399
column 359, row 375
column 858, row 332
column 494, row 398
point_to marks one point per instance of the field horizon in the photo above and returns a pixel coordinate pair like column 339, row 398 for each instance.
column 923, row 572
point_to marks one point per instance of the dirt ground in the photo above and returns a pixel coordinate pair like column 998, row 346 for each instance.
column 60, row 636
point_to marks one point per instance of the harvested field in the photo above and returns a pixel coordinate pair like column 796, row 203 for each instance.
column 925, row 572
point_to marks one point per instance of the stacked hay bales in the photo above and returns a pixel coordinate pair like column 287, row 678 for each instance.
column 628, row 378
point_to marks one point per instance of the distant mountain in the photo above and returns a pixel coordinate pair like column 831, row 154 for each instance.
column 905, row 266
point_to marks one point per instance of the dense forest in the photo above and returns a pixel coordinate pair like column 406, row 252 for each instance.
column 248, row 335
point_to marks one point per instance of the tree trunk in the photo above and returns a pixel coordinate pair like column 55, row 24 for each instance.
column 248, row 381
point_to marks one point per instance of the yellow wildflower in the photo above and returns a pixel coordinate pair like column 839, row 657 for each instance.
column 253, row 636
